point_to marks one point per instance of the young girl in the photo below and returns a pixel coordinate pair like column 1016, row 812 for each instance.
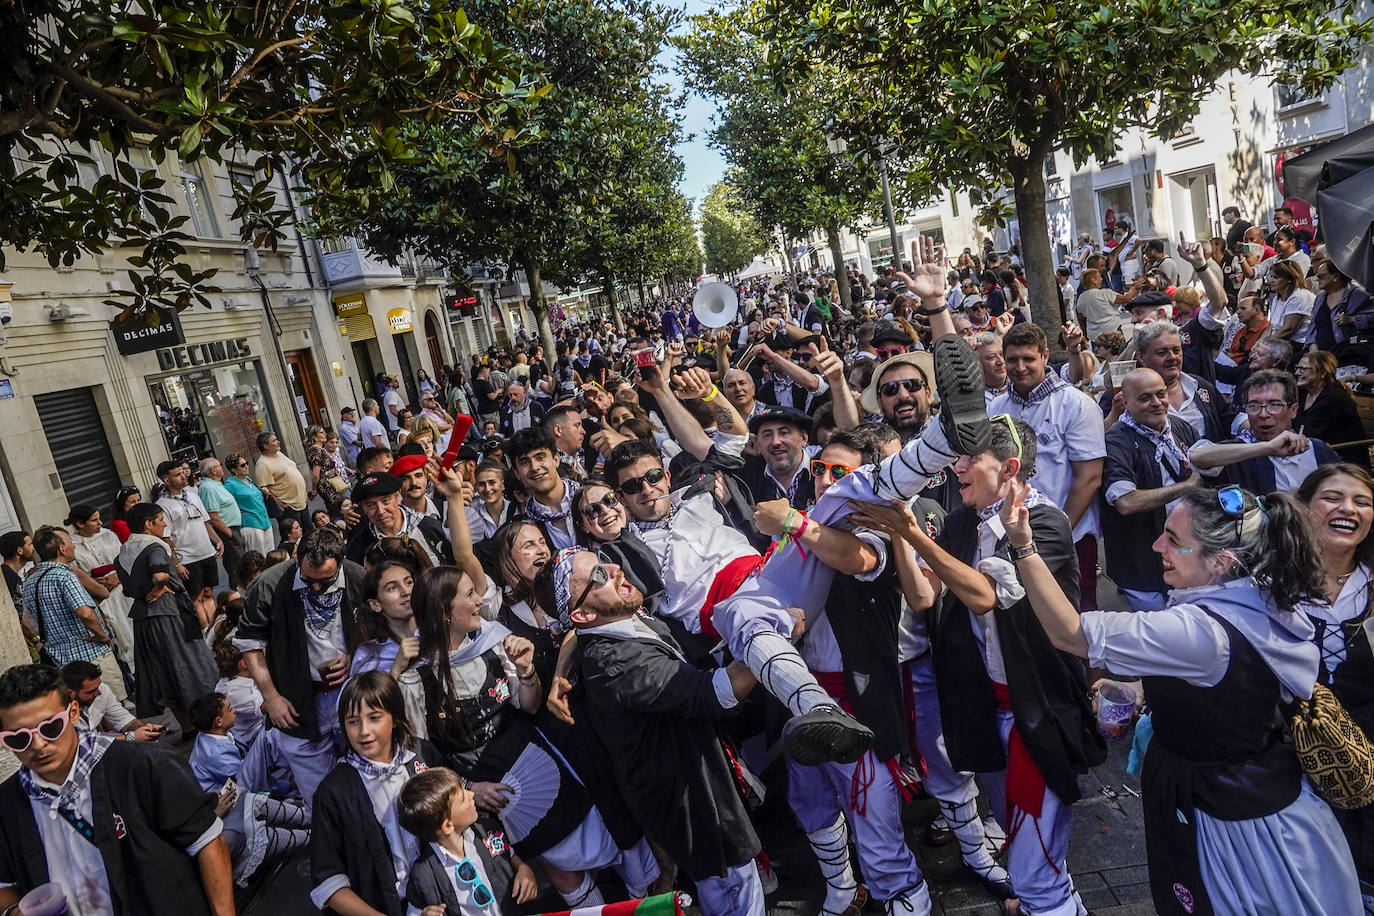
column 359, row 855
column 390, row 641
column 290, row 534
column 472, row 694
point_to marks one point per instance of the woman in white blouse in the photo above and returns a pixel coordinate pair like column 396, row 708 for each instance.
column 1340, row 504
column 1224, row 798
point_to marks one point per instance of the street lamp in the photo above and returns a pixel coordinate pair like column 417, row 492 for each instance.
column 838, row 147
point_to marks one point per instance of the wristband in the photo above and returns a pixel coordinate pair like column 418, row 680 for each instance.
column 806, row 520
column 926, row 311
column 711, row 395
column 1021, row 553
column 787, row 521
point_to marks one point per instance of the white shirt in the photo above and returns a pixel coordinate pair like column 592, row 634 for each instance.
column 1068, row 425
column 186, row 518
column 402, row 843
column 105, row 708
column 370, row 429
column 245, row 698
column 462, row 892
column 691, row 550
column 481, row 523
column 1188, row 411
column 1299, row 303
column 392, row 398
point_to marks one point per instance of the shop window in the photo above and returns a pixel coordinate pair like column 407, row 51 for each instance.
column 213, row 410
column 200, row 202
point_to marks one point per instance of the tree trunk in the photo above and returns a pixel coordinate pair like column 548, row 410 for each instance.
column 608, row 286
column 832, row 235
column 1042, row 291
column 791, row 261
column 643, row 298
column 541, row 311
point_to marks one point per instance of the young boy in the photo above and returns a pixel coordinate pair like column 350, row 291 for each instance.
column 238, row 688
column 215, row 758
column 464, row 867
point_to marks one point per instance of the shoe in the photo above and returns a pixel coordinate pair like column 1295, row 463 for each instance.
column 938, row 832
column 1002, row 890
column 914, row 901
column 963, row 410
column 824, row 734
column 855, row 906
column 767, row 877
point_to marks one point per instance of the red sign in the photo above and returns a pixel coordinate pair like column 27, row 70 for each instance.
column 1279, row 160
column 1302, row 214
column 465, row 304
column 1109, row 219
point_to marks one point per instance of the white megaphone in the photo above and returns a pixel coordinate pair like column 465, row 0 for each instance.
column 715, row 304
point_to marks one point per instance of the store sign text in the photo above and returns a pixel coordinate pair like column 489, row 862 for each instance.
column 139, row 332
column 400, row 320
column 216, row 351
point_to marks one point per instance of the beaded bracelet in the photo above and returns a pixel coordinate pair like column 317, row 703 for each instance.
column 1020, row 553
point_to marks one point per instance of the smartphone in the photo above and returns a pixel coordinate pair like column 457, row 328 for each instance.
column 462, row 424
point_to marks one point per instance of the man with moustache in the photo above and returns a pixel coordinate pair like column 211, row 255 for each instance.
column 779, row 470
column 1146, row 469
column 378, row 496
column 409, row 466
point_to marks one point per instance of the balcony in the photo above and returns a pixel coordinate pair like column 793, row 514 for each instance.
column 346, row 266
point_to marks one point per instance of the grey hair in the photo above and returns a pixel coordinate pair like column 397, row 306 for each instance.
column 1278, row 348
column 369, row 404
column 312, row 430
column 1152, row 331
column 207, row 463
column 983, row 338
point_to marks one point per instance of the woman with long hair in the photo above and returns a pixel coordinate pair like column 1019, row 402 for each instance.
column 1232, row 825
column 389, row 640
column 1326, row 409
column 124, row 499
column 471, row 694
column 96, row 548
column 520, row 551
column 1340, row 506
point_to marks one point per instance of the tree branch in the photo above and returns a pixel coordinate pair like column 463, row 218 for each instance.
column 103, row 96
column 249, row 66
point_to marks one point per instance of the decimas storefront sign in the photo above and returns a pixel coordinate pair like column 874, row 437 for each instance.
column 139, row 332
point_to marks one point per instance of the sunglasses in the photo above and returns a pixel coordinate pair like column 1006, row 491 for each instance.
column 890, row 389
column 888, row 353
column 608, row 502
column 819, row 468
column 600, row 576
column 802, row 357
column 466, row 872
column 652, row 477
column 50, row 729
column 1011, row 428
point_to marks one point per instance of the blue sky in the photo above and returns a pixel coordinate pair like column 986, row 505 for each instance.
column 703, row 165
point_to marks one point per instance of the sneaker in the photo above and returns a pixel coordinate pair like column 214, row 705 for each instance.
column 826, row 733
column 963, row 410
column 914, row 901
column 767, row 877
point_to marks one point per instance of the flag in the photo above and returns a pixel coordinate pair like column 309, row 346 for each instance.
column 661, row 905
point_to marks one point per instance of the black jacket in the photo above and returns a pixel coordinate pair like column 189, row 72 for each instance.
column 273, row 613
column 507, row 424
column 429, row 885
column 657, row 715
column 147, row 808
column 1127, row 538
column 347, row 839
column 361, row 539
column 1049, row 688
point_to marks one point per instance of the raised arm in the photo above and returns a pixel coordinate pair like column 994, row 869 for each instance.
column 841, row 550
column 1057, row 616
column 684, row 427
column 969, row 585
column 846, row 408
column 1209, row 272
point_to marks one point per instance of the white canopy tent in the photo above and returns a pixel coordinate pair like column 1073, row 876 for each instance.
column 759, row 268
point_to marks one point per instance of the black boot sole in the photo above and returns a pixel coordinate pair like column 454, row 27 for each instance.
column 963, row 410
column 834, row 738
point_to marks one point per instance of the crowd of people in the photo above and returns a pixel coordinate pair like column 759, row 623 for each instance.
column 538, row 659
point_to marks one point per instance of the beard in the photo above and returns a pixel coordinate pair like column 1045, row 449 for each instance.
column 910, row 426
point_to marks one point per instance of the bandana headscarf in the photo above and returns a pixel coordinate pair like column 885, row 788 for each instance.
column 562, row 581
column 536, row 511
column 1165, row 446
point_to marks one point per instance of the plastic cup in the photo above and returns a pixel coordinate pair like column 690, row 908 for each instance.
column 45, row 900
column 1115, row 709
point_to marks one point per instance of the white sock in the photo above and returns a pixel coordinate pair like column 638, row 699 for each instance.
column 586, row 894
column 781, row 671
column 831, row 845
column 909, row 471
column 973, row 844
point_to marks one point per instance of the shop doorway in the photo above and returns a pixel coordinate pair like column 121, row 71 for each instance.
column 367, row 368
column 305, row 390
column 80, row 449
column 1193, row 203
column 213, row 410
column 1115, row 205
column 402, row 342
column 436, row 350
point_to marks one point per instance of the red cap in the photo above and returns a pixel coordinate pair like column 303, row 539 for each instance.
column 402, row 466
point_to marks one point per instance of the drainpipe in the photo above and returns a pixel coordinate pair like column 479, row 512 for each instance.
column 256, row 276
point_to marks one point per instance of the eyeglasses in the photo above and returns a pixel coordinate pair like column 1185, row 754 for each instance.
column 890, row 389
column 608, row 502
column 1263, row 407
column 652, row 477
column 802, row 357
column 837, row 471
column 466, row 872
column 50, row 729
column 1302, row 370
column 600, row 576
column 889, row 353
column 318, row 584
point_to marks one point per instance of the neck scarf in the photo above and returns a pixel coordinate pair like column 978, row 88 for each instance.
column 1033, row 498
column 371, row 769
column 320, row 610
column 536, row 511
column 1040, row 392
column 91, row 747
column 1167, row 451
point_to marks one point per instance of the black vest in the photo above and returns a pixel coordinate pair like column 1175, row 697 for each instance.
column 1218, row 750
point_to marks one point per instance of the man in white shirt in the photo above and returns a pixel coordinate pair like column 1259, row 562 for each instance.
column 149, row 801
column 391, row 405
column 1068, row 425
column 371, row 432
column 349, row 434
column 100, row 710
column 193, row 537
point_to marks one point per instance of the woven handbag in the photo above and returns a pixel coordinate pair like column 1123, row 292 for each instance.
column 1333, row 751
